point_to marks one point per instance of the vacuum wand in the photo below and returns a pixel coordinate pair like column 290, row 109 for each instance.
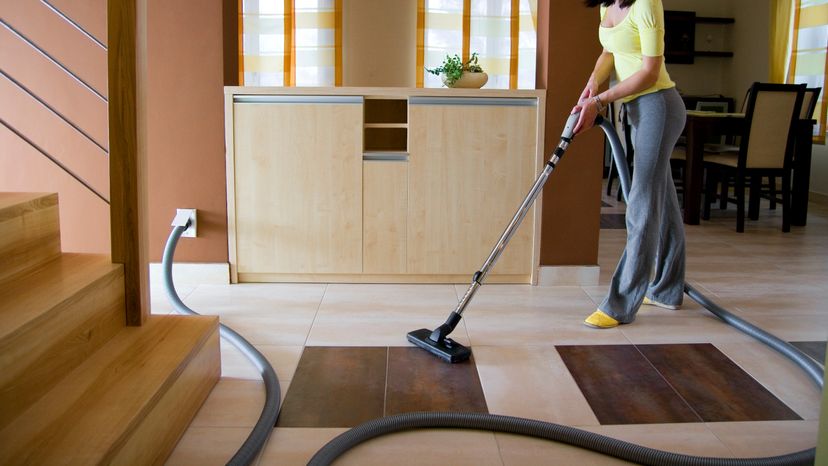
column 437, row 342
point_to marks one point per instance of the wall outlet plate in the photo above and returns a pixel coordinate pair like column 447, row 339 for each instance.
column 181, row 217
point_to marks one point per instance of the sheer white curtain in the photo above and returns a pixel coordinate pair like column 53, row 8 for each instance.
column 263, row 42
column 443, row 35
column 291, row 42
column 807, row 60
column 314, row 42
column 504, row 40
column 490, row 38
column 527, row 44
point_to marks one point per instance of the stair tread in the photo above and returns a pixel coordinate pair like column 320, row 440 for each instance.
column 29, row 231
column 29, row 296
column 92, row 411
column 12, row 202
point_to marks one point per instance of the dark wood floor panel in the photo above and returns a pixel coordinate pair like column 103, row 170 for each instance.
column 418, row 381
column 336, row 387
column 714, row 386
column 622, row 387
column 814, row 349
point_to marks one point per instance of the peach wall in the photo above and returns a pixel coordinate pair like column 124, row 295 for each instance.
column 185, row 125
column 84, row 217
column 379, row 43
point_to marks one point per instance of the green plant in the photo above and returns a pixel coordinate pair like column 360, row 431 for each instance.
column 453, row 68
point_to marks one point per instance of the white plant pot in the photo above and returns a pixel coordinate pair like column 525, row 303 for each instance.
column 468, row 80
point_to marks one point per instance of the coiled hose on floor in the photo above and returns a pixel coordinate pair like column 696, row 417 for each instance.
column 496, row 423
column 577, row 437
column 251, row 447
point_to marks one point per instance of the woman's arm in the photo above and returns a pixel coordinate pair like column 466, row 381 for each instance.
column 641, row 80
column 603, row 67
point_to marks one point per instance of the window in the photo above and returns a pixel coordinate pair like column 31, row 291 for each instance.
column 291, row 42
column 501, row 32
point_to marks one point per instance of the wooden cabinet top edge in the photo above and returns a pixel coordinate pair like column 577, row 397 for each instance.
column 385, row 92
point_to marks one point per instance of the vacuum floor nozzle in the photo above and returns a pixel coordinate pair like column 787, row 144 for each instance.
column 447, row 349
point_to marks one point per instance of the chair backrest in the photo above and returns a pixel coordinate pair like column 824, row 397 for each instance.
column 772, row 113
column 809, row 103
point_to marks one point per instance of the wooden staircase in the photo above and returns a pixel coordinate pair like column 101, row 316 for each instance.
column 77, row 386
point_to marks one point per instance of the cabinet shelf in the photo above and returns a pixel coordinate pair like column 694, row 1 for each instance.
column 386, row 111
column 385, row 139
column 385, row 125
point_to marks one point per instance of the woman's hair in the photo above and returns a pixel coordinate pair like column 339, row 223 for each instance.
column 607, row 3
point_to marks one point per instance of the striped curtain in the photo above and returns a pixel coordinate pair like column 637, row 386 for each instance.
column 291, row 42
column 441, row 36
column 808, row 60
column 263, row 43
column 501, row 32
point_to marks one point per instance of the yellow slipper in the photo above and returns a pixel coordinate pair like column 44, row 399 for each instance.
column 650, row 302
column 600, row 320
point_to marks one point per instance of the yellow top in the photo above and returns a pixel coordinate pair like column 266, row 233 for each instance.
column 639, row 34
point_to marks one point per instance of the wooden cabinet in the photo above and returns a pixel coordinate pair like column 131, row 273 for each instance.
column 298, row 185
column 380, row 185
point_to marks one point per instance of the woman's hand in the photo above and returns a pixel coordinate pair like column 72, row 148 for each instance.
column 589, row 91
column 589, row 111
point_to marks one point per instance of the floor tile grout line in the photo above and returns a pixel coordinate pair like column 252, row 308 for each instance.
column 727, row 447
column 672, row 387
column 499, row 451
column 315, row 315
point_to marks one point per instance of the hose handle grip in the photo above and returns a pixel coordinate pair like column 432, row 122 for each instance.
column 569, row 128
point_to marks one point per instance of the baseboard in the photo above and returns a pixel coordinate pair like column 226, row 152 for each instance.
column 818, row 197
column 568, row 275
column 193, row 273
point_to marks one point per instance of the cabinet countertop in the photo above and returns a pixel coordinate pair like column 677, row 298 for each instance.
column 385, row 92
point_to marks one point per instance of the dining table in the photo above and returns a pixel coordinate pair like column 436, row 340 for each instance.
column 701, row 126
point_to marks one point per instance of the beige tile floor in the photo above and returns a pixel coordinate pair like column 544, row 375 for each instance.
column 772, row 279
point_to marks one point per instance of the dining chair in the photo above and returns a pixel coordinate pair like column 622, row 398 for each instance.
column 809, row 102
column 765, row 149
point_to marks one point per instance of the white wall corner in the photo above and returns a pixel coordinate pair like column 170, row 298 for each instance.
column 194, row 273
column 569, row 275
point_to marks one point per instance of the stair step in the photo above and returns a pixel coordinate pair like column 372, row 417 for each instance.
column 51, row 319
column 29, row 231
column 128, row 403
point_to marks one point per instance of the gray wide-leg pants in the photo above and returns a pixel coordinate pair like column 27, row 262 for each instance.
column 653, row 259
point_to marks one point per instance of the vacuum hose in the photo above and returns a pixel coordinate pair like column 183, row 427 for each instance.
column 258, row 436
column 570, row 435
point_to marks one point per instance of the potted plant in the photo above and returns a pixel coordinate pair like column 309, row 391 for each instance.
column 455, row 73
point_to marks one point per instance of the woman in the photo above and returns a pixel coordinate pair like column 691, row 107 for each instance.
column 651, row 270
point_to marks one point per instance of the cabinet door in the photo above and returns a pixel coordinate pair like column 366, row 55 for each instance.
column 385, row 194
column 298, row 185
column 472, row 161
